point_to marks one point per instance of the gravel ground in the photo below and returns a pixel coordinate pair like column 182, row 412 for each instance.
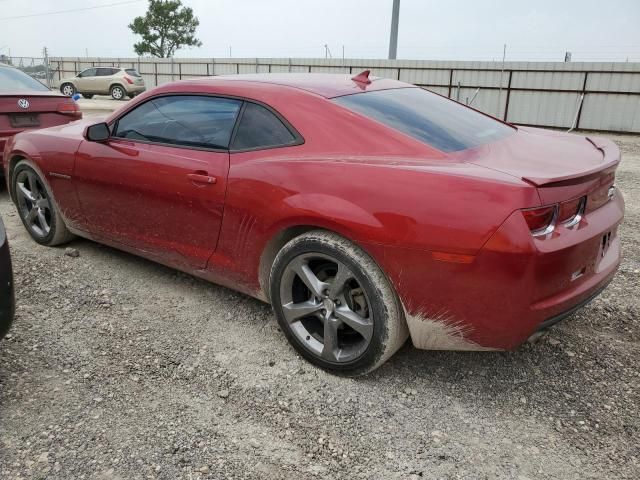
column 118, row 368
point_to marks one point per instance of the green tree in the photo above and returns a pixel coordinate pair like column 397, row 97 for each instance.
column 165, row 28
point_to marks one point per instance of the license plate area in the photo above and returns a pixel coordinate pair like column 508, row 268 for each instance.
column 605, row 243
column 22, row 120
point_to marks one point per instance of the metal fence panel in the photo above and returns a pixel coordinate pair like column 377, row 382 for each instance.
column 614, row 82
column 619, row 112
column 548, row 80
column 553, row 109
column 425, row 77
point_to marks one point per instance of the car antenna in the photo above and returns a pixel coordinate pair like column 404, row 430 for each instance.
column 362, row 77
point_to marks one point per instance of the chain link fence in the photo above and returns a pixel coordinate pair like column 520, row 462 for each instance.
column 36, row 67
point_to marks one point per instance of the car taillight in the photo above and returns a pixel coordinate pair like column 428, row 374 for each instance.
column 541, row 220
column 570, row 212
column 70, row 108
column 129, row 81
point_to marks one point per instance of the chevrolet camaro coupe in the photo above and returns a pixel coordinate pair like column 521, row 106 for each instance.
column 364, row 210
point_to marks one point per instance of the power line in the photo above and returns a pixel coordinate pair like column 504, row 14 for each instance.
column 81, row 9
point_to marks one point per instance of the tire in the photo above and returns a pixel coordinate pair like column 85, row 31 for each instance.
column 310, row 314
column 117, row 92
column 88, row 96
column 132, row 96
column 67, row 89
column 37, row 208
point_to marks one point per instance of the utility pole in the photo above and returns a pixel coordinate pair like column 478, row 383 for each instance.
column 504, row 55
column 393, row 40
column 45, row 54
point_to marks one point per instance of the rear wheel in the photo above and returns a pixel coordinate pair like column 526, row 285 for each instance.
column 117, row 92
column 335, row 305
column 37, row 208
column 68, row 89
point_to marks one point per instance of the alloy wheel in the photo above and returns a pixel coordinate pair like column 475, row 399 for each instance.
column 326, row 307
column 117, row 93
column 67, row 90
column 33, row 203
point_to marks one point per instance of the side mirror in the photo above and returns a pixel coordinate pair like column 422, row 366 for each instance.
column 97, row 133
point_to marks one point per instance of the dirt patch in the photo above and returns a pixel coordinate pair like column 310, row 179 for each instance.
column 118, row 368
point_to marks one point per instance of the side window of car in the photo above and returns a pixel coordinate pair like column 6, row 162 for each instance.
column 186, row 120
column 260, row 128
column 105, row 71
column 89, row 72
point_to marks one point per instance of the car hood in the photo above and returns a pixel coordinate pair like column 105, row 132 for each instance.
column 543, row 157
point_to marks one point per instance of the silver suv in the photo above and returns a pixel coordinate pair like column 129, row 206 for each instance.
column 117, row 82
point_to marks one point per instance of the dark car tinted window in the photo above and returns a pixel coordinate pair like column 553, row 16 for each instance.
column 430, row 118
column 260, row 128
column 189, row 120
column 105, row 72
column 133, row 72
column 13, row 80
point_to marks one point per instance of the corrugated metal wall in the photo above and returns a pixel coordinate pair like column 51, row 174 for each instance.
column 532, row 93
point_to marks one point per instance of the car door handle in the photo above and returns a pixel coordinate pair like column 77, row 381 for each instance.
column 201, row 178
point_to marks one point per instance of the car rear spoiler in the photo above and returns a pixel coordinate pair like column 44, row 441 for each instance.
column 610, row 160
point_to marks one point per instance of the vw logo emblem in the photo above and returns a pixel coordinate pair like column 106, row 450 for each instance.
column 23, row 103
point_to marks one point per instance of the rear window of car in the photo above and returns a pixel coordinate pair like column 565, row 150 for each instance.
column 133, row 72
column 260, row 128
column 425, row 116
column 13, row 80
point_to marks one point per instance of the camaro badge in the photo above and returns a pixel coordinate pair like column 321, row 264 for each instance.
column 23, row 103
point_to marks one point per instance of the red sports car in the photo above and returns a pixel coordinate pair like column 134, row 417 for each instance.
column 26, row 104
column 365, row 210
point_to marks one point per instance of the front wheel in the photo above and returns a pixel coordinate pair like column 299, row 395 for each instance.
column 37, row 208
column 117, row 92
column 334, row 304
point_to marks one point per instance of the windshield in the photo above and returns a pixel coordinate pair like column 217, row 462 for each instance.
column 13, row 80
column 430, row 118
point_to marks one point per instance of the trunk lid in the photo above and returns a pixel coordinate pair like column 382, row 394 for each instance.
column 561, row 166
column 26, row 110
column 39, row 102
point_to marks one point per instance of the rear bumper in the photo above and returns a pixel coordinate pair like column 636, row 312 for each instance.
column 514, row 285
column 7, row 300
column 561, row 316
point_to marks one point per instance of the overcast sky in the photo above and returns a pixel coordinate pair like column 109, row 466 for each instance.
column 429, row 29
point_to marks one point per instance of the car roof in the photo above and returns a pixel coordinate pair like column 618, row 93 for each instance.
column 324, row 84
